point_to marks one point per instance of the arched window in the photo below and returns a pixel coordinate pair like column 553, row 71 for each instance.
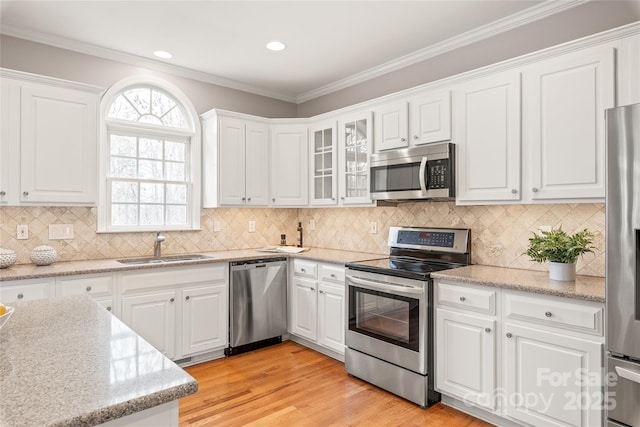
column 150, row 158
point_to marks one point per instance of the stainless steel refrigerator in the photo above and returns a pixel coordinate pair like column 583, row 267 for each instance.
column 623, row 266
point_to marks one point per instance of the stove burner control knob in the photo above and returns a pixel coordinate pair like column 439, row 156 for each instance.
column 463, row 299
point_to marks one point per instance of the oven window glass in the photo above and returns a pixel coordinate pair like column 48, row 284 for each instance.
column 404, row 177
column 387, row 317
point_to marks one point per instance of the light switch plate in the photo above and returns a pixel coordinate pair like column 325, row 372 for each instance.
column 22, row 232
column 312, row 224
column 217, row 226
column 252, row 226
column 60, row 231
column 374, row 228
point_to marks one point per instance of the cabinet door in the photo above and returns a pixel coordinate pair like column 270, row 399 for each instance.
column 232, row 162
column 9, row 133
column 289, row 172
column 391, row 126
column 58, row 145
column 304, row 308
column 487, row 137
column 257, row 165
column 565, row 99
column 152, row 316
column 323, row 164
column 26, row 290
column 466, row 357
column 430, row 118
column 355, row 147
column 552, row 379
column 204, row 319
column 331, row 317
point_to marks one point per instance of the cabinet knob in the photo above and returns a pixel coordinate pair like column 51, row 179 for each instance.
column 25, row 193
column 403, row 139
column 172, row 300
column 88, row 288
column 333, row 276
column 463, row 299
column 514, row 191
column 109, row 308
column 342, row 198
column 487, row 330
column 416, row 137
column 273, row 200
column 534, row 189
column 3, row 193
column 333, row 198
column 187, row 297
column 312, row 289
column 248, row 199
column 321, row 292
column 509, row 335
column 303, row 270
column 20, row 296
column 548, row 314
column 244, row 198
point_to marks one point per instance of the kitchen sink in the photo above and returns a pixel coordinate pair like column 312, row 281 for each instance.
column 164, row 259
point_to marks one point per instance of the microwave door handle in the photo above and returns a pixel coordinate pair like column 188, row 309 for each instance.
column 380, row 286
column 423, row 167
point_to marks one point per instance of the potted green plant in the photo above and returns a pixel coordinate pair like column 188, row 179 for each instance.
column 561, row 250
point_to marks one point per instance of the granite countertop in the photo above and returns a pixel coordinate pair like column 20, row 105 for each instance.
column 69, row 268
column 68, row 361
column 584, row 287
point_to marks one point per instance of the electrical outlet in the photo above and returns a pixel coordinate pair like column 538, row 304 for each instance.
column 252, row 226
column 217, row 226
column 22, row 232
column 373, row 229
column 312, row 224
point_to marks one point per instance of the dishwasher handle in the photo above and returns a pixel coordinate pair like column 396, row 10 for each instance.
column 257, row 263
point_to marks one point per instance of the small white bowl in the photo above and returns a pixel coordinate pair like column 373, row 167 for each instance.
column 44, row 255
column 7, row 258
column 5, row 317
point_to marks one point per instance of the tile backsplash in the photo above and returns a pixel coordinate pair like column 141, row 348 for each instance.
column 499, row 233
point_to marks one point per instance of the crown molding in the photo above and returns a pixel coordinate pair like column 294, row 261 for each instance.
column 532, row 14
column 139, row 61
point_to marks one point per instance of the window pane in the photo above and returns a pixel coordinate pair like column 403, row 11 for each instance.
column 150, row 169
column 140, row 98
column 150, row 148
column 122, row 167
column 177, row 193
column 176, row 215
column 160, row 103
column 124, row 214
column 151, row 214
column 122, row 109
column 175, row 118
column 151, row 193
column 148, row 118
column 124, row 192
column 175, row 171
column 123, row 145
column 174, row 151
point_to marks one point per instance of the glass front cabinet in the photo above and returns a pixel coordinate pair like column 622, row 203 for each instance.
column 324, row 183
column 355, row 133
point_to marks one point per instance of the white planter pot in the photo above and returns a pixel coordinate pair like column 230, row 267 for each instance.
column 562, row 272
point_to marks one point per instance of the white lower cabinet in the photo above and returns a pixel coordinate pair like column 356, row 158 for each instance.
column 530, row 359
column 26, row 290
column 100, row 287
column 182, row 311
column 317, row 303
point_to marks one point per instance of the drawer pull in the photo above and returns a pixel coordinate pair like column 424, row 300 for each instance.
column 509, row 335
column 88, row 288
column 333, row 276
column 548, row 314
column 303, row 270
column 463, row 299
column 628, row 374
column 487, row 330
column 20, row 296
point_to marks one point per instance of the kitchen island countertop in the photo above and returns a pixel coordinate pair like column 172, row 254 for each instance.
column 584, row 287
column 67, row 361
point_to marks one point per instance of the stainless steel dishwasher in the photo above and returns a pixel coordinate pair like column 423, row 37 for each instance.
column 257, row 304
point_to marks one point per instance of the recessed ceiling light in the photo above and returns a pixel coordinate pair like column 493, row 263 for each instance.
column 276, row 45
column 163, row 54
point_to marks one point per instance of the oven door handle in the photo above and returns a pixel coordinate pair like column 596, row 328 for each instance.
column 382, row 286
column 421, row 178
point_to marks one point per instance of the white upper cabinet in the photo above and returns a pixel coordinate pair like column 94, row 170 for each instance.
column 423, row 119
column 430, row 116
column 353, row 159
column 236, row 162
column 50, row 138
column 629, row 71
column 289, row 160
column 487, row 137
column 323, row 163
column 563, row 113
column 391, row 126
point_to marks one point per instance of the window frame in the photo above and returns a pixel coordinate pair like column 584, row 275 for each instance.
column 192, row 133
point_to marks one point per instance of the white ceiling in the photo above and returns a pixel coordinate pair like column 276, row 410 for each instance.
column 330, row 44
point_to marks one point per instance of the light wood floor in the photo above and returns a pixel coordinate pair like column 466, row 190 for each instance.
column 291, row 385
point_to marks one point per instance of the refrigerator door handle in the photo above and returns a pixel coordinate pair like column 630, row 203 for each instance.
column 628, row 374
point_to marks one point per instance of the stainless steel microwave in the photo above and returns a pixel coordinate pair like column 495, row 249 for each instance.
column 420, row 173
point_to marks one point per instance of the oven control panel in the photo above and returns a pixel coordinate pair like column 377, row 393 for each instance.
column 426, row 238
column 454, row 240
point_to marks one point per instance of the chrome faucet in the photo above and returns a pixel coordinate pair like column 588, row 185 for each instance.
column 157, row 246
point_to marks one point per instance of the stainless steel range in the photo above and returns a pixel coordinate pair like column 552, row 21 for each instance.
column 390, row 335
